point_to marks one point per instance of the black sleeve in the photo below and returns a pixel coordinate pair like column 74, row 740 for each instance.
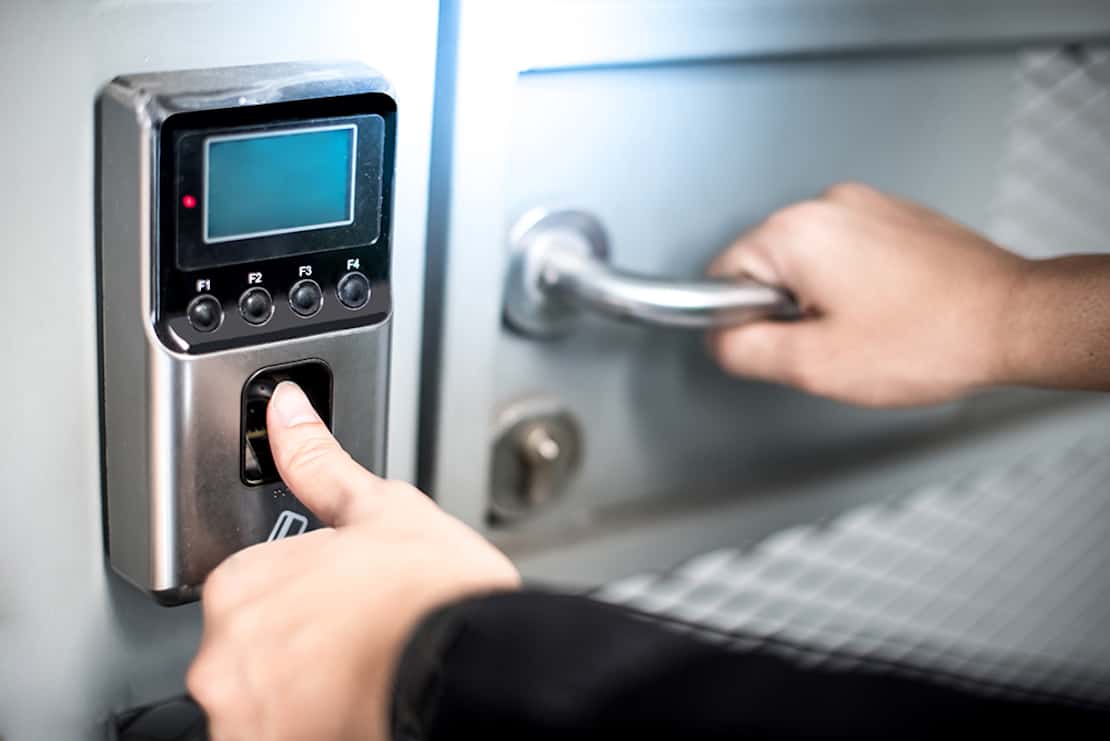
column 533, row 665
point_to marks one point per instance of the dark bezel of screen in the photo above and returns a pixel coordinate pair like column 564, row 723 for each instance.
column 176, row 286
column 193, row 252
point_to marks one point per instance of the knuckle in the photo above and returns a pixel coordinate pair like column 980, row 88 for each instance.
column 799, row 218
column 783, row 219
column 202, row 682
column 849, row 190
column 216, row 682
column 219, row 588
column 720, row 265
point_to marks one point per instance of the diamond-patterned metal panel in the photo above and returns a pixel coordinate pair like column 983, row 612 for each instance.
column 1055, row 181
column 1001, row 580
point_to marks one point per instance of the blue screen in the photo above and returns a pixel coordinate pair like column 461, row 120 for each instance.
column 262, row 184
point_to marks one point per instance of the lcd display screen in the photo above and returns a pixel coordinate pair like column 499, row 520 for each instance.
column 266, row 183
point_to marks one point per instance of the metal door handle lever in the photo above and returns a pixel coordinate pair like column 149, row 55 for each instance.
column 560, row 266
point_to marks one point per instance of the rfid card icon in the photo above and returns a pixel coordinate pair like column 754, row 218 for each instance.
column 288, row 524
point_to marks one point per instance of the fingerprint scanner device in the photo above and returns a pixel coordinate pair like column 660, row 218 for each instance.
column 244, row 239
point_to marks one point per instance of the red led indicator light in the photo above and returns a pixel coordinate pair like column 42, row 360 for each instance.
column 189, row 201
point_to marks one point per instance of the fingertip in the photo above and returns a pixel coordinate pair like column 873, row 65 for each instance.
column 289, row 407
column 714, row 343
column 720, row 267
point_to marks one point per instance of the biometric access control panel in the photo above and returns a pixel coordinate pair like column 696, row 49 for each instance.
column 244, row 239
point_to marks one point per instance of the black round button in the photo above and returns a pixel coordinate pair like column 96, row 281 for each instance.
column 205, row 313
column 353, row 290
column 306, row 298
column 256, row 306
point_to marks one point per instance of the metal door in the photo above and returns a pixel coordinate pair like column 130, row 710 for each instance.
column 679, row 125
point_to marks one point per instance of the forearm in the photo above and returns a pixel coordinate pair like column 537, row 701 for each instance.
column 544, row 666
column 1057, row 333
column 905, row 307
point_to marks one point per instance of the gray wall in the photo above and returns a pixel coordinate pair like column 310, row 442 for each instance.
column 76, row 642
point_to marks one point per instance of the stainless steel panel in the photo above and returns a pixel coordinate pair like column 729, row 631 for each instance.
column 680, row 125
column 554, row 34
column 657, row 536
column 676, row 161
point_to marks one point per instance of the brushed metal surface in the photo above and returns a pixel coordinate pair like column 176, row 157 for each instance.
column 200, row 510
column 156, row 95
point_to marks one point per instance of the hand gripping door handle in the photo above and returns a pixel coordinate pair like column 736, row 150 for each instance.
column 560, row 266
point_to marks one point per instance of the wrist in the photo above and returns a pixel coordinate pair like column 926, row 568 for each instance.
column 1058, row 331
column 417, row 673
column 1009, row 335
column 417, row 670
column 994, row 316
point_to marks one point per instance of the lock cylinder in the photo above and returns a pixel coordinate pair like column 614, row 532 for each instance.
column 536, row 453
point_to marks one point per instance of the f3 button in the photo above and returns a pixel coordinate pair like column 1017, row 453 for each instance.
column 306, row 298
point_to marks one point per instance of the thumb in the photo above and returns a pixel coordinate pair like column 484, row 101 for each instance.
column 782, row 352
column 311, row 461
